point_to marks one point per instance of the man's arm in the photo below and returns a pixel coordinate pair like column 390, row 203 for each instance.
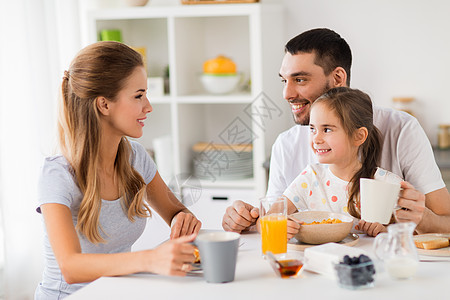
column 425, row 195
column 436, row 217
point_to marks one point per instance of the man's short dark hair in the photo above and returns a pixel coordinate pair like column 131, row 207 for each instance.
column 331, row 49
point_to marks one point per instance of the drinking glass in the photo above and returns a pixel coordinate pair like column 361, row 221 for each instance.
column 273, row 222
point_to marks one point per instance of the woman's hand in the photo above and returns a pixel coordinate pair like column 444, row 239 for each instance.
column 371, row 229
column 184, row 224
column 173, row 257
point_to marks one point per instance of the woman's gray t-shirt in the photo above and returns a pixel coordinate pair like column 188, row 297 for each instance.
column 58, row 185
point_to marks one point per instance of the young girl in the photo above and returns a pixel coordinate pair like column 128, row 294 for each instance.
column 95, row 197
column 348, row 147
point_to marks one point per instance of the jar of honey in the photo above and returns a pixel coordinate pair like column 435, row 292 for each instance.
column 404, row 103
column 444, row 136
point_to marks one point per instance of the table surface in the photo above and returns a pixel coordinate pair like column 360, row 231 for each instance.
column 255, row 278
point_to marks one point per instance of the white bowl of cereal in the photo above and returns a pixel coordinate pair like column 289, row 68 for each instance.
column 322, row 226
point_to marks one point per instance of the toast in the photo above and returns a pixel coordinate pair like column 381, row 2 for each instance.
column 431, row 242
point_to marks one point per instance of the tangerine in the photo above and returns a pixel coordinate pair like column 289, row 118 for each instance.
column 219, row 65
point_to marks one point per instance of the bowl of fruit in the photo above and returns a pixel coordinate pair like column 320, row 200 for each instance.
column 219, row 75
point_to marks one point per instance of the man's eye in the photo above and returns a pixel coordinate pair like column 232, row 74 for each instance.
column 283, row 80
column 299, row 80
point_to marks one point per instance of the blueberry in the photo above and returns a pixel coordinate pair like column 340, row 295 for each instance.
column 354, row 260
column 347, row 260
column 364, row 258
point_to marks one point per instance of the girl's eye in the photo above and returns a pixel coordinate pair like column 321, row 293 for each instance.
column 139, row 96
column 327, row 130
column 312, row 129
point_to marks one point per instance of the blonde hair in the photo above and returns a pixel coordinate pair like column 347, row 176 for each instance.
column 100, row 69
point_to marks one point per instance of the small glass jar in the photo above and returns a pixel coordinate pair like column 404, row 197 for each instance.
column 444, row 136
column 355, row 276
column 404, row 104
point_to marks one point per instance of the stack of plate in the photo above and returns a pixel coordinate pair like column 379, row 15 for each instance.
column 222, row 162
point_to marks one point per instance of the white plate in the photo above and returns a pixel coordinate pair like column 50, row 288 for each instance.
column 435, row 252
column 350, row 240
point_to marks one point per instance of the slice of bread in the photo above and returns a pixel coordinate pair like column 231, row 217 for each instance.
column 431, row 242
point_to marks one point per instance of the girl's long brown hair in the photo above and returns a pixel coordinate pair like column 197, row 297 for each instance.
column 354, row 109
column 100, row 69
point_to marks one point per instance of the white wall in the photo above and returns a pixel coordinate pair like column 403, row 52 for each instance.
column 400, row 48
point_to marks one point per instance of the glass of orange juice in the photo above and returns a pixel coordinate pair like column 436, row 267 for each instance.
column 273, row 224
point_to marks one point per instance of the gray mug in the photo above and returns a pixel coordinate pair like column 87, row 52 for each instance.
column 218, row 253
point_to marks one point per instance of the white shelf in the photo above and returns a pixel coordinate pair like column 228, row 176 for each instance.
column 183, row 37
column 149, row 11
column 214, row 99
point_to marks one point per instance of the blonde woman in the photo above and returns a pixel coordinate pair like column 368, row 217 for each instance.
column 96, row 196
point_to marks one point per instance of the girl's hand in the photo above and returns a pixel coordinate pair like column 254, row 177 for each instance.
column 371, row 229
column 173, row 257
column 184, row 224
column 292, row 228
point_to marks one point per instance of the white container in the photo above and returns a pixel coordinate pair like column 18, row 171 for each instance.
column 321, row 259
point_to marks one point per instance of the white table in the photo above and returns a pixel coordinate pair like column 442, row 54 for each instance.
column 256, row 280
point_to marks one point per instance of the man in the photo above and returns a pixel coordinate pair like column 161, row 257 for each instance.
column 314, row 62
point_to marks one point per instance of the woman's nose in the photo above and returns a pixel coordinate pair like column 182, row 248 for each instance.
column 148, row 108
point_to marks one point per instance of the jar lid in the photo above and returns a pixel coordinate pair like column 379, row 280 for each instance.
column 403, row 99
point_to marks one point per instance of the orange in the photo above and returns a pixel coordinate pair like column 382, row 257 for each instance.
column 219, row 65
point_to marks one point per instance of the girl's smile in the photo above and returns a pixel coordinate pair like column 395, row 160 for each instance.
column 322, row 151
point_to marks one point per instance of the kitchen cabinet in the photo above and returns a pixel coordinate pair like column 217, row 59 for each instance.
column 182, row 38
column 442, row 157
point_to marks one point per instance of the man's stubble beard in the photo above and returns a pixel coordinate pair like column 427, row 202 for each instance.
column 305, row 119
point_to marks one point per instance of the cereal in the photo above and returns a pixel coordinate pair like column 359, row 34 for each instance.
column 197, row 256
column 327, row 221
